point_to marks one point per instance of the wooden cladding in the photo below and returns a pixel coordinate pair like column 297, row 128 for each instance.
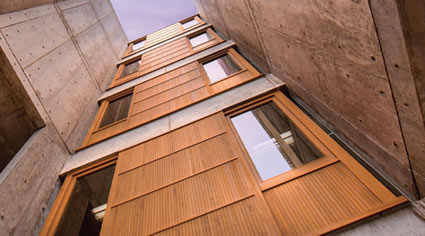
column 191, row 177
column 161, row 35
column 199, row 180
column 168, row 93
column 163, row 56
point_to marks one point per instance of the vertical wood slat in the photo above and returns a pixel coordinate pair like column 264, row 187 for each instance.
column 318, row 199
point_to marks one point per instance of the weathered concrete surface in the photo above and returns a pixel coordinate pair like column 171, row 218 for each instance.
column 16, row 5
column 63, row 57
column 329, row 54
column 400, row 222
column 172, row 121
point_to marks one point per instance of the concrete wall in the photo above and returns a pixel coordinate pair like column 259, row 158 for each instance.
column 64, row 55
column 346, row 59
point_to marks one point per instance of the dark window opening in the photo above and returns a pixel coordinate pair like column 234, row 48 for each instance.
column 89, row 192
column 130, row 68
column 116, row 110
column 220, row 68
column 273, row 142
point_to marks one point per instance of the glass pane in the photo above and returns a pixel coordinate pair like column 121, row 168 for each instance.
column 189, row 24
column 138, row 45
column 200, row 39
column 89, row 192
column 116, row 110
column 273, row 142
column 130, row 68
column 220, row 68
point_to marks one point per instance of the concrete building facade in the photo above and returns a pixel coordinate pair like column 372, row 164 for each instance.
column 251, row 118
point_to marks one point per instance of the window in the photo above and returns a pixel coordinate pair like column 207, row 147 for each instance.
column 130, row 68
column 200, row 39
column 138, row 45
column 116, row 110
column 220, row 68
column 189, row 24
column 274, row 144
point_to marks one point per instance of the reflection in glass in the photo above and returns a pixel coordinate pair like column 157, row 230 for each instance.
column 200, row 39
column 189, row 24
column 116, row 110
column 130, row 68
column 273, row 142
column 138, row 45
column 220, row 68
column 90, row 192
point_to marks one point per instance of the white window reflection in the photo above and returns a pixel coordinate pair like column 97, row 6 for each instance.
column 189, row 24
column 220, row 68
column 138, row 45
column 273, row 142
column 200, row 39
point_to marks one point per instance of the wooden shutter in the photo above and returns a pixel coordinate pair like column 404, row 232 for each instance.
column 191, row 181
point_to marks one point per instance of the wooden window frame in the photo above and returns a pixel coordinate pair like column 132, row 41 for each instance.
column 210, row 31
column 121, row 66
column 301, row 121
column 131, row 44
column 196, row 18
column 56, row 212
column 236, row 58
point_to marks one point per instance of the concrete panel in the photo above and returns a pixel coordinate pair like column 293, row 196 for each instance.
column 70, row 3
column 52, row 72
column 361, row 99
column 16, row 5
column 67, row 107
column 213, row 16
column 101, row 7
column 80, row 130
column 115, row 33
column 343, row 28
column 30, row 40
column 79, row 18
column 98, row 54
column 25, row 15
column 31, row 183
column 240, row 25
column 400, row 222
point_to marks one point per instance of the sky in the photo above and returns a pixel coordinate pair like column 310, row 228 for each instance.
column 142, row 17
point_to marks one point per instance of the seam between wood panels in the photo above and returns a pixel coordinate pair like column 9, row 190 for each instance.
column 159, row 104
column 180, row 75
column 205, row 213
column 175, row 96
column 175, row 182
column 162, row 91
column 144, row 63
column 164, row 50
column 174, row 152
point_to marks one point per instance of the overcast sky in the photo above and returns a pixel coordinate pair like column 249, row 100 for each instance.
column 141, row 17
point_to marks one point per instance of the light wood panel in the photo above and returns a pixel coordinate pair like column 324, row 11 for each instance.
column 183, row 176
column 321, row 198
column 171, row 92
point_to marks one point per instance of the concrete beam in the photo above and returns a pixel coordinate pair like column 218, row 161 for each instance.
column 170, row 122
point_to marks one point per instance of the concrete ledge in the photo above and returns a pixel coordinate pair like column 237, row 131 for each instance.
column 170, row 122
column 129, row 57
column 166, row 69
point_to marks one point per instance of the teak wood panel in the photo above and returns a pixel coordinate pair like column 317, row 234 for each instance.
column 181, row 177
column 165, row 55
column 168, row 93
